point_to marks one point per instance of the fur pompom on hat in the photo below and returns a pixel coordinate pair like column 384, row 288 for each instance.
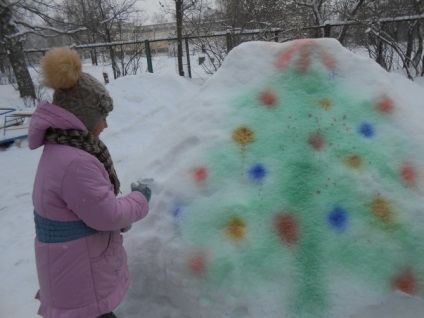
column 76, row 91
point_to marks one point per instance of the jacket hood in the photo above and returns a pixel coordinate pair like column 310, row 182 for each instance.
column 49, row 115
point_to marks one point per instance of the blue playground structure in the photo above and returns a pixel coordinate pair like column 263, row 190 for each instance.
column 14, row 126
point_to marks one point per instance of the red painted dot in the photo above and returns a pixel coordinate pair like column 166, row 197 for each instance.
column 328, row 61
column 385, row 105
column 303, row 50
column 198, row 264
column 408, row 173
column 287, row 228
column 406, row 282
column 304, row 61
column 268, row 98
column 284, row 58
column 200, row 174
column 316, row 141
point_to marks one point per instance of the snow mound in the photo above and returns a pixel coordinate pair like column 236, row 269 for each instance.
column 293, row 187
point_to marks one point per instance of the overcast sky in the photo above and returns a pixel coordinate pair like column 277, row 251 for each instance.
column 151, row 6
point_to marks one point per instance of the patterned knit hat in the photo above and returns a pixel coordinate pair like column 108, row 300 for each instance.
column 77, row 92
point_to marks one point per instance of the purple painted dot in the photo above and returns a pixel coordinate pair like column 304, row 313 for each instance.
column 257, row 172
column 367, row 130
column 337, row 218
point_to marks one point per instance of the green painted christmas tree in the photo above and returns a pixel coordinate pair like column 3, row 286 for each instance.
column 302, row 197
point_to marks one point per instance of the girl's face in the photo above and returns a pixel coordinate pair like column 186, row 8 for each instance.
column 100, row 127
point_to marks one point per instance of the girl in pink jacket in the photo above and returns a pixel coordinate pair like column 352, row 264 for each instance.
column 81, row 262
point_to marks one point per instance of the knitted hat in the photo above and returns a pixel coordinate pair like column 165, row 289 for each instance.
column 77, row 92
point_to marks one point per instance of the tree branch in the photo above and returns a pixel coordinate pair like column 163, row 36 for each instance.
column 383, row 36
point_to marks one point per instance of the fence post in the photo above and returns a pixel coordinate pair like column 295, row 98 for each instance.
column 327, row 30
column 229, row 41
column 148, row 56
column 188, row 57
column 122, row 60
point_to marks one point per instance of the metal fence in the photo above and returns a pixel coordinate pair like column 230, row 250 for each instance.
column 203, row 55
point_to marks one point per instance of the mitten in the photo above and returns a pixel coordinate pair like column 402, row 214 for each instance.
column 126, row 229
column 143, row 188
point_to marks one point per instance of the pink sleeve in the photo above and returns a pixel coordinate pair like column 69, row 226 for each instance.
column 89, row 194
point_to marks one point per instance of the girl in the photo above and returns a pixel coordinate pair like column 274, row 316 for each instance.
column 81, row 262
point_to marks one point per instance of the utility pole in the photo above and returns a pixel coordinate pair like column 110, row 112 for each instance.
column 179, row 18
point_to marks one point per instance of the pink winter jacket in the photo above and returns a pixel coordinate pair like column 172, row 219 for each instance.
column 86, row 277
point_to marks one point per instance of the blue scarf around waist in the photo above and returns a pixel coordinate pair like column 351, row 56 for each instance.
column 50, row 231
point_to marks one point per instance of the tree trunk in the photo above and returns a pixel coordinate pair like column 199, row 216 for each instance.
column 409, row 44
column 179, row 17
column 350, row 16
column 93, row 54
column 422, row 72
column 23, row 78
column 380, row 54
column 15, row 52
column 419, row 52
column 115, row 67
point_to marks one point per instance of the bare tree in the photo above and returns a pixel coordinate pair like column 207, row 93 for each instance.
column 17, row 20
column 232, row 18
column 178, row 12
column 266, row 16
column 77, row 13
column 369, row 23
column 105, row 21
column 391, row 42
column 348, row 11
column 13, row 29
column 203, row 19
column 255, row 14
column 159, row 18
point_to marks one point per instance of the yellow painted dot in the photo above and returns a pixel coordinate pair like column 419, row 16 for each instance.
column 354, row 161
column 236, row 229
column 325, row 103
column 243, row 135
column 381, row 208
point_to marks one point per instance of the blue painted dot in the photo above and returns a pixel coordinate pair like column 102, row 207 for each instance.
column 338, row 218
column 176, row 213
column 367, row 130
column 257, row 172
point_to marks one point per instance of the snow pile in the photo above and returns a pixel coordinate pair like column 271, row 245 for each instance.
column 290, row 185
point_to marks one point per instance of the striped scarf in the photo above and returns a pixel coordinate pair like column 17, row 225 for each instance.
column 86, row 141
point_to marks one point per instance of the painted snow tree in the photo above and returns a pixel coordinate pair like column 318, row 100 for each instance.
column 301, row 199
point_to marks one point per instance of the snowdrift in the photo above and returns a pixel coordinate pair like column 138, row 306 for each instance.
column 293, row 187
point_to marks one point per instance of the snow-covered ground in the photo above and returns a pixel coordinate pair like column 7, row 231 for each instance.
column 198, row 253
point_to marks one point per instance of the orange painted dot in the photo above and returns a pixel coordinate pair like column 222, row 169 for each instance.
column 200, row 174
column 381, row 208
column 243, row 135
column 316, row 141
column 408, row 174
column 385, row 105
column 406, row 282
column 268, row 98
column 354, row 161
column 287, row 228
column 325, row 103
column 236, row 229
column 198, row 264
